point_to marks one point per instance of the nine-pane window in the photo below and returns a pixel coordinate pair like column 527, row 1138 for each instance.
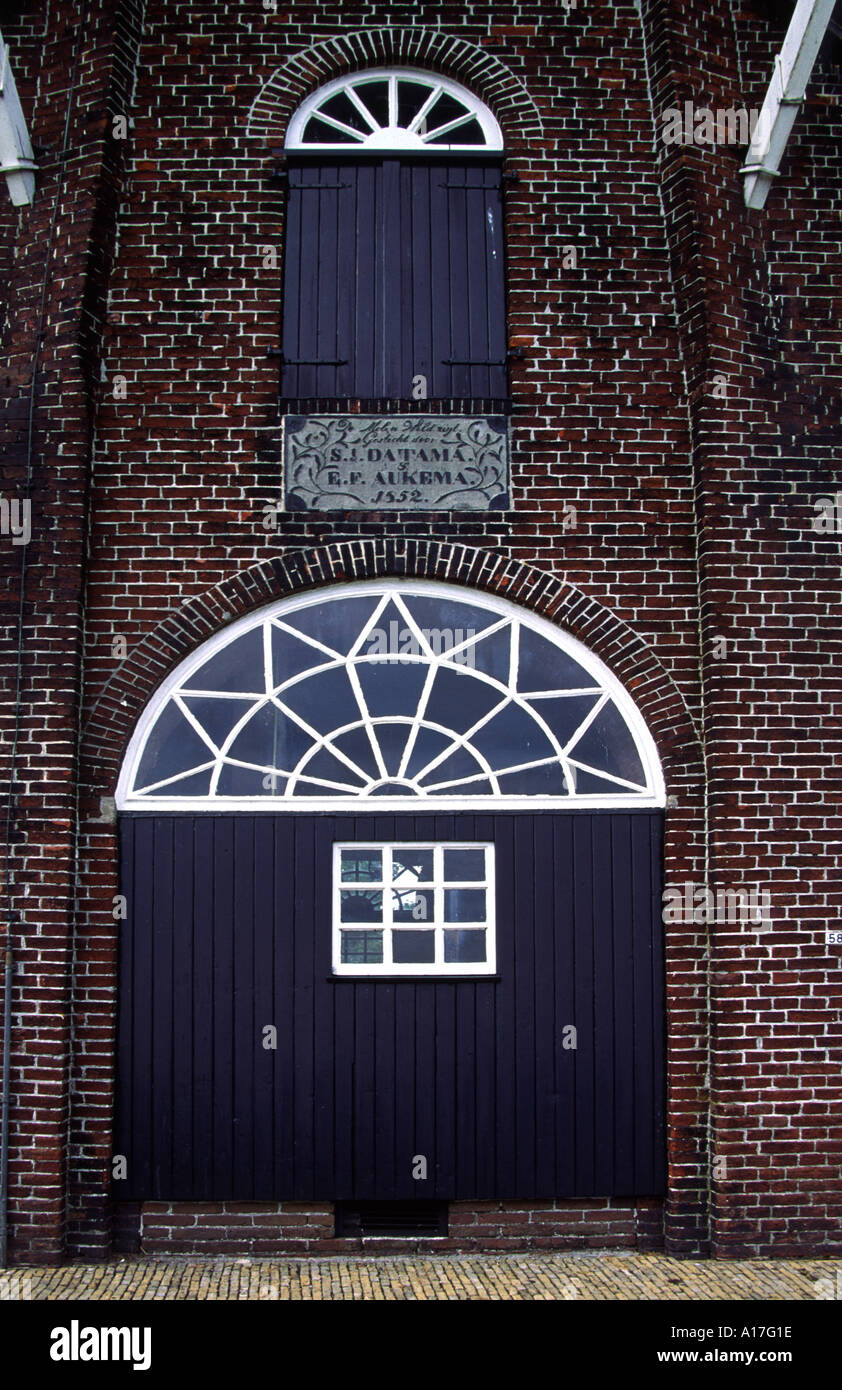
column 413, row 909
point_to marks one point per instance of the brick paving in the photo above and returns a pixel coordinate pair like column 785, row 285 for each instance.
column 632, row 1277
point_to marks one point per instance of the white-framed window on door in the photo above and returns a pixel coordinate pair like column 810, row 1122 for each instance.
column 413, row 909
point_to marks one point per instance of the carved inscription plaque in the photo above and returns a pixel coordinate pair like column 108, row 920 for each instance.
column 396, row 463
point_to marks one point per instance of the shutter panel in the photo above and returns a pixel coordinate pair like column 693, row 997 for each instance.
column 451, row 281
column 472, row 214
column 394, row 269
column 318, row 263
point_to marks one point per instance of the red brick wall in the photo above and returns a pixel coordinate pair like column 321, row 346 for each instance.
column 307, row 1228
column 760, row 309
column 693, row 511
column 71, row 69
column 201, row 415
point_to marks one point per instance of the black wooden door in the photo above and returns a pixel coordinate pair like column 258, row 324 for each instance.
column 229, row 933
column 393, row 269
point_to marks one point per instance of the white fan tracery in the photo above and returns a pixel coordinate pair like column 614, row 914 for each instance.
column 386, row 692
column 393, row 109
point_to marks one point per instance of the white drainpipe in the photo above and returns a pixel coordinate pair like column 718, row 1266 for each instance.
column 17, row 160
column 793, row 66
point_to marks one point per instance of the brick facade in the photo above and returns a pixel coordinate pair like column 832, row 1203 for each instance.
column 679, row 389
column 307, row 1228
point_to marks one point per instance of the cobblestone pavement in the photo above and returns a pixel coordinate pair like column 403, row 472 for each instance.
column 629, row 1277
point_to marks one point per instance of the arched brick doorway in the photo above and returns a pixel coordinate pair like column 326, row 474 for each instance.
column 392, row 858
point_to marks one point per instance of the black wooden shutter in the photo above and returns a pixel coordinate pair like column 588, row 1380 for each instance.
column 393, row 270
column 322, row 199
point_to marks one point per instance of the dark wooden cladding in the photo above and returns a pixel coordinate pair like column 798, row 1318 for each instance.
column 229, row 931
column 394, row 269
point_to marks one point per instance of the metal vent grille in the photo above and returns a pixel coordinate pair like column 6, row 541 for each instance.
column 391, row 1219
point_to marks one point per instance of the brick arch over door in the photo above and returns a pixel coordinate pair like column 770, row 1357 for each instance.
column 480, row 71
column 115, row 713
column 628, row 655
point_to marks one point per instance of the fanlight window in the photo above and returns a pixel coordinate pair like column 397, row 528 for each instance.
column 386, row 694
column 382, row 110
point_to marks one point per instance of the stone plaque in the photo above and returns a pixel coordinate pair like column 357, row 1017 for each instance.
column 378, row 463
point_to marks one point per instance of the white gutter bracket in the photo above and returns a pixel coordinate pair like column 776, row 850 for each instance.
column 793, row 68
column 17, row 159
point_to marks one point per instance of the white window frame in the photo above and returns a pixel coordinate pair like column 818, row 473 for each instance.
column 439, row 966
column 651, row 794
column 393, row 137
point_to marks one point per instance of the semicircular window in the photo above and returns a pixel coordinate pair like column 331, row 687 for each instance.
column 376, row 693
column 394, row 109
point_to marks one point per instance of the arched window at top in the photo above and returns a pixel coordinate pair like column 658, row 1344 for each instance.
column 394, row 109
column 394, row 255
